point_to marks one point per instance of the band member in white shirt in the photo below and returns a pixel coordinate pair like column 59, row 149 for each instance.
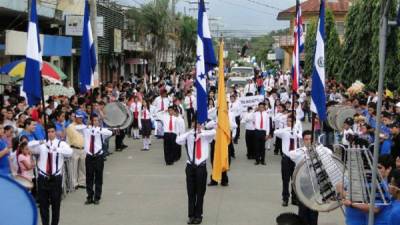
column 161, row 102
column 250, row 88
column 248, row 120
column 261, row 134
column 197, row 145
column 50, row 164
column 190, row 102
column 145, row 124
column 170, row 126
column 298, row 155
column 279, row 120
column 290, row 141
column 135, row 109
column 269, row 82
column 94, row 136
column 180, row 129
column 236, row 109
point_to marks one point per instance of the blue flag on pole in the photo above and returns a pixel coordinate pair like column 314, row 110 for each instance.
column 318, row 99
column 398, row 17
column 205, row 61
column 88, row 54
column 32, row 81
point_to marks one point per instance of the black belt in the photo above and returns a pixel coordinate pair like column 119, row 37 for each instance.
column 49, row 177
column 100, row 153
column 80, row 148
column 194, row 165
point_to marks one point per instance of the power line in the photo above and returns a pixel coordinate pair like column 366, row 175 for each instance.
column 264, row 4
column 248, row 8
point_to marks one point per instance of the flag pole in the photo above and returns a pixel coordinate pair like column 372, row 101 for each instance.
column 382, row 54
column 43, row 112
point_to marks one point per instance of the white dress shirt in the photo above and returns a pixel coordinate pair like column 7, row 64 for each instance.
column 158, row 103
column 206, row 137
column 236, row 108
column 99, row 135
column 250, row 88
column 345, row 133
column 59, row 150
column 189, row 99
column 166, row 122
column 265, row 121
column 286, row 134
column 280, row 120
column 180, row 123
column 269, row 82
column 248, row 120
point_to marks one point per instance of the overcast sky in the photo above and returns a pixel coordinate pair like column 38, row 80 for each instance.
column 250, row 16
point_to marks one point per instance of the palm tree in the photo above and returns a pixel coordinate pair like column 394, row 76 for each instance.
column 153, row 22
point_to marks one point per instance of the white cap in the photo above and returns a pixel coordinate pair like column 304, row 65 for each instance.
column 398, row 104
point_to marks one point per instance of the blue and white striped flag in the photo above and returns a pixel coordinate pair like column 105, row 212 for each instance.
column 318, row 99
column 88, row 54
column 205, row 62
column 32, row 81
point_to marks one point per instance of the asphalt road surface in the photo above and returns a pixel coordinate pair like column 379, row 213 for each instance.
column 140, row 190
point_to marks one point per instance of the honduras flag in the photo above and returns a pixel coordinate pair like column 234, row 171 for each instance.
column 88, row 54
column 205, row 61
column 318, row 99
column 32, row 84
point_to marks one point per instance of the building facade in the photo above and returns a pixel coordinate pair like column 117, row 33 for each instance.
column 310, row 12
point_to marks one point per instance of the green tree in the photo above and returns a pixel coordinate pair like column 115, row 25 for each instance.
column 309, row 48
column 154, row 21
column 187, row 42
column 361, row 49
column 333, row 49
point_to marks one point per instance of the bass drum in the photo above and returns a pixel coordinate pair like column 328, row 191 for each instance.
column 17, row 205
column 337, row 114
column 117, row 115
column 308, row 194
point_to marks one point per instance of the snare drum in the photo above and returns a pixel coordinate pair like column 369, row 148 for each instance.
column 17, row 205
column 23, row 181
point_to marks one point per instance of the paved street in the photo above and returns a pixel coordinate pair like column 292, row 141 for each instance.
column 140, row 189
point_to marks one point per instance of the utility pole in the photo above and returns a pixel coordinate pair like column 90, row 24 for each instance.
column 93, row 22
column 383, row 31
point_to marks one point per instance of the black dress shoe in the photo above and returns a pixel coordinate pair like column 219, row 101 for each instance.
column 263, row 163
column 197, row 220
column 96, row 202
column 257, row 163
column 225, row 184
column 190, row 220
column 89, row 201
column 295, row 202
column 285, row 203
column 275, row 153
column 212, row 183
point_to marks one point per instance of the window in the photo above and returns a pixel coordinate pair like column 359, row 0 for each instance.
column 340, row 27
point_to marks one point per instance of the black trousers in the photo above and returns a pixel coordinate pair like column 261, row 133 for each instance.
column 237, row 120
column 119, row 139
column 178, row 152
column 278, row 145
column 259, row 145
column 287, row 168
column 309, row 217
column 170, row 148
column 196, row 180
column 224, row 175
column 190, row 115
column 94, row 176
column 250, row 144
column 49, row 192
